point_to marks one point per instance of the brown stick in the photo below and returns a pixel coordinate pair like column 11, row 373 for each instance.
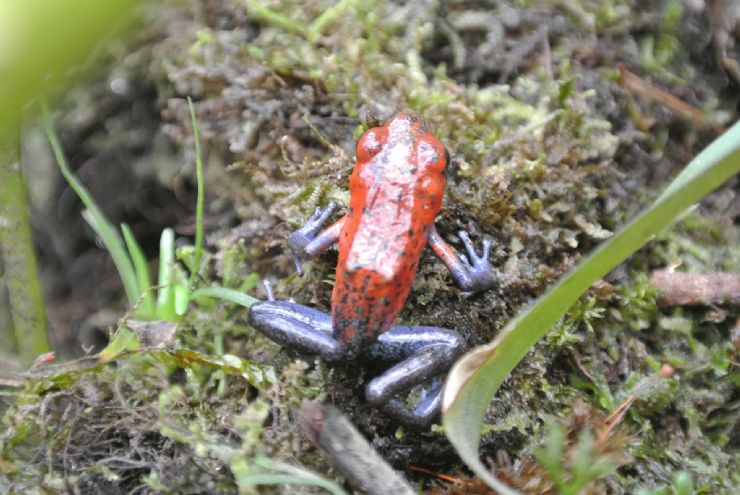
column 634, row 84
column 329, row 430
column 692, row 289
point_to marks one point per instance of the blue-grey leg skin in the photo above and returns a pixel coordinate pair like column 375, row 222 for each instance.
column 424, row 414
column 471, row 272
column 402, row 341
column 299, row 239
column 268, row 290
column 297, row 327
column 424, row 353
column 479, row 268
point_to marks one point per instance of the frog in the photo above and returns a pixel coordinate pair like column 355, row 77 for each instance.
column 396, row 192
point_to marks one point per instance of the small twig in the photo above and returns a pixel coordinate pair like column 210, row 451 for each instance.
column 442, row 476
column 616, row 416
column 328, row 429
column 581, row 368
column 11, row 382
column 633, row 84
column 693, row 289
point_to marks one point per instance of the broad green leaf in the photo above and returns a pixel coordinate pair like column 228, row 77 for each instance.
column 476, row 377
column 41, row 40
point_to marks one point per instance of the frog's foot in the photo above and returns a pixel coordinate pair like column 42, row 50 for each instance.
column 300, row 239
column 471, row 272
column 297, row 327
column 479, row 268
column 424, row 413
column 424, row 352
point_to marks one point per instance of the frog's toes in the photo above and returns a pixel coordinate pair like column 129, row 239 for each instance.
column 478, row 262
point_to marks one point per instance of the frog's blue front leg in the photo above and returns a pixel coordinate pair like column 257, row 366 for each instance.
column 423, row 352
column 309, row 241
column 472, row 273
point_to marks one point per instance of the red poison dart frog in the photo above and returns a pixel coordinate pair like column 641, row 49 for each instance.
column 396, row 192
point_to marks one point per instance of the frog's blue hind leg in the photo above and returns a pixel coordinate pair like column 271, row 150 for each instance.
column 423, row 352
column 297, row 327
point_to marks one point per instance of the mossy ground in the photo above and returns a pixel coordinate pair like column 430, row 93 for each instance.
column 549, row 152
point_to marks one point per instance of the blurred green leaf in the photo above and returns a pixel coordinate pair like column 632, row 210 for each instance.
column 41, row 39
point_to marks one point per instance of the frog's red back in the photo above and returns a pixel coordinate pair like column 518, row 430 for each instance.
column 396, row 192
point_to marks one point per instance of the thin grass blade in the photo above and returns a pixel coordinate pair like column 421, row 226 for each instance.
column 201, row 194
column 166, row 291
column 141, row 267
column 94, row 216
column 230, row 295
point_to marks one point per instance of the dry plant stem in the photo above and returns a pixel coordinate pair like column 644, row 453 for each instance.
column 632, row 83
column 16, row 247
column 616, row 416
column 328, row 429
column 442, row 476
column 693, row 289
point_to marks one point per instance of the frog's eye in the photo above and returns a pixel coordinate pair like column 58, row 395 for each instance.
column 448, row 164
column 371, row 143
column 432, row 156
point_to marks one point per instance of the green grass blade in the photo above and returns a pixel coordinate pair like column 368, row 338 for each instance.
column 166, row 291
column 289, row 479
column 141, row 267
column 230, row 295
column 477, row 376
column 114, row 244
column 201, row 195
column 285, row 473
column 94, row 216
column 182, row 298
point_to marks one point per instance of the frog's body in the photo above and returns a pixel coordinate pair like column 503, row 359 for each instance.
column 396, row 192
